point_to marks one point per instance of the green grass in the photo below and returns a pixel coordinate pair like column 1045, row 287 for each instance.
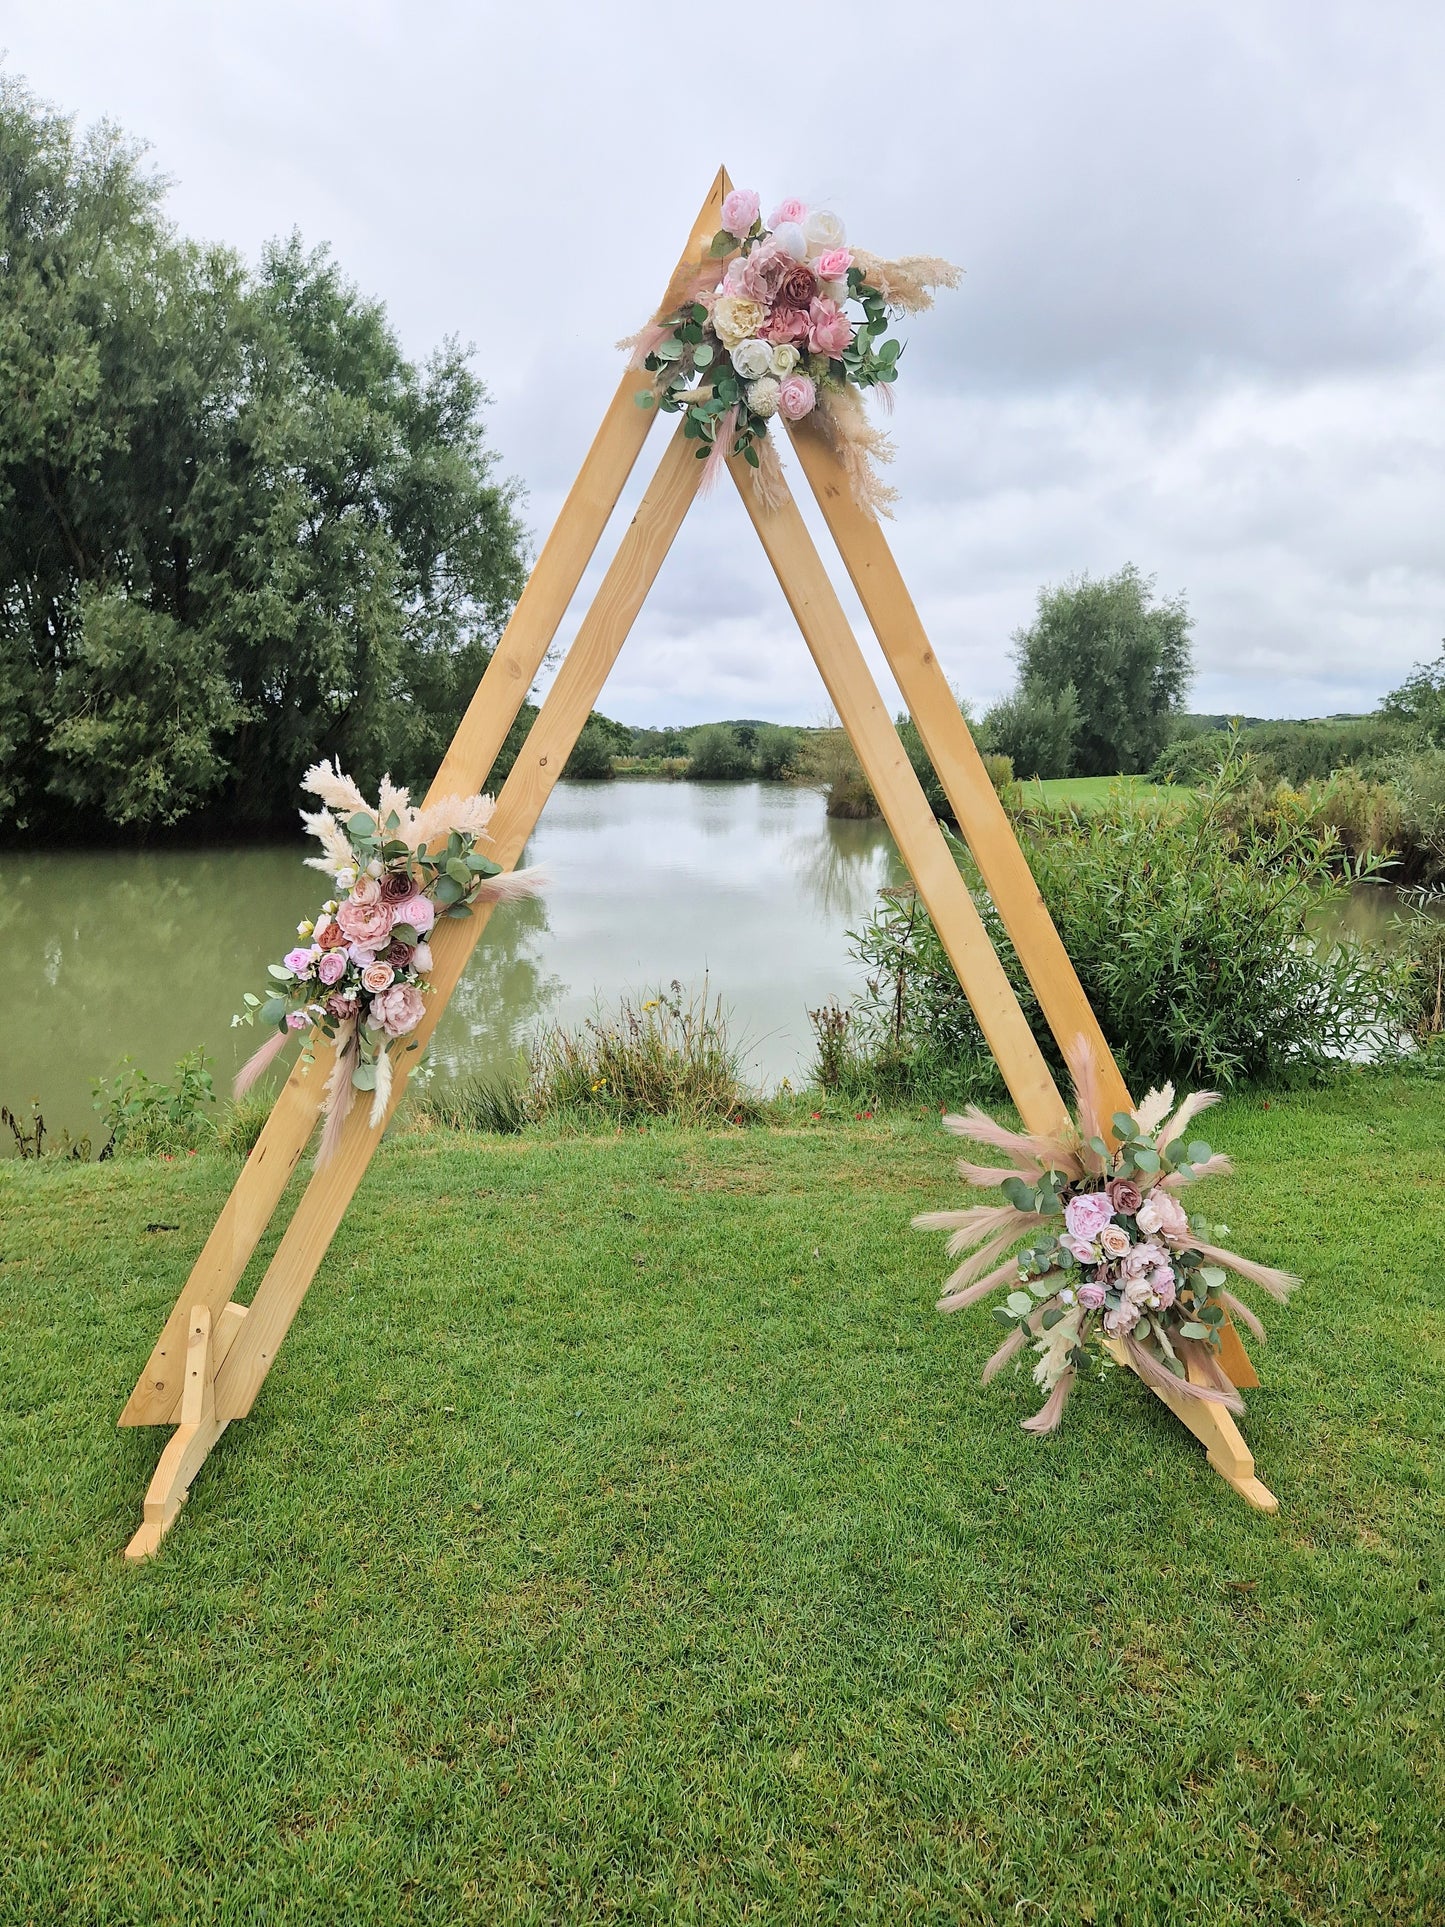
column 622, row 1536
column 1088, row 792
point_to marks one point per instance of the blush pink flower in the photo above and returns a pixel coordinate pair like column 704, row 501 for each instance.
column 298, row 962
column 739, row 211
column 1114, row 1241
column 377, row 977
column 365, row 923
column 1163, row 1213
column 785, row 324
column 1091, row 1297
column 398, row 1009
column 365, row 890
column 796, row 397
column 1084, row 1249
column 421, row 957
column 1164, row 1286
column 419, row 912
column 833, row 264
column 332, row 967
column 1087, row 1214
column 297, row 1020
column 360, row 954
column 1145, row 1258
column 789, row 210
column 829, row 329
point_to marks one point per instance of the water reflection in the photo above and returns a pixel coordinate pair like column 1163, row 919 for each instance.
column 148, row 953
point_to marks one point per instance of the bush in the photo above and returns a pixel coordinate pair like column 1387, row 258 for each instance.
column 497, row 1105
column 775, row 751
column 1000, row 769
column 240, row 1123
column 671, row 1057
column 716, row 754
column 1421, row 934
column 1293, row 753
column 1419, row 783
column 1198, row 946
column 827, row 762
column 591, row 758
column 1036, row 728
column 144, row 1115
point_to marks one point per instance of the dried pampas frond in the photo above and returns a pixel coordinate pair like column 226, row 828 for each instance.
column 637, row 347
column 329, row 834
column 1191, row 1107
column 512, row 886
column 338, row 1096
column 1279, row 1284
column 768, row 483
column 1153, row 1111
column 722, row 448
column 1050, row 1414
column 391, row 798
column 336, row 791
column 1010, row 1348
column 1005, row 1274
column 467, row 815
column 858, row 444
column 907, row 282
column 381, row 1096
column 259, row 1062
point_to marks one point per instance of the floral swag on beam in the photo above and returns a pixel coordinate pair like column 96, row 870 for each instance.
column 1118, row 1271
column 797, row 326
column 360, row 975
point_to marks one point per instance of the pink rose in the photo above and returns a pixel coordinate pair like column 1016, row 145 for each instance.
column 298, row 962
column 1114, row 1241
column 1163, row 1213
column 739, row 211
column 360, row 954
column 1084, row 1249
column 1087, row 1214
column 1091, row 1297
column 829, row 329
column 297, row 1020
column 833, row 263
column 377, row 977
column 398, row 1010
column 1163, row 1282
column 332, row 967
column 419, row 912
column 365, row 890
column 796, row 397
column 1144, row 1258
column 1125, row 1197
column 785, row 324
column 421, row 958
column 365, row 923
column 789, row 210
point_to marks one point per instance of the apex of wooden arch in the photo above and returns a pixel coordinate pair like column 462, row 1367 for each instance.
column 213, row 1355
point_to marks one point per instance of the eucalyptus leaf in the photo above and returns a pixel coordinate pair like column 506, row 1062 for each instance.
column 1193, row 1329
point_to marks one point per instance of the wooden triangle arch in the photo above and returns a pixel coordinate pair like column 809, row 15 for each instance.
column 212, row 1358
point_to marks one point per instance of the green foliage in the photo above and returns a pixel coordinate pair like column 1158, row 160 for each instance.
column 1421, row 933
column 1290, row 752
column 591, row 758
column 716, row 753
column 826, row 761
column 1196, row 939
column 1125, row 654
column 238, row 529
column 670, row 1056
column 143, row 1115
column 240, row 1122
column 497, row 1105
column 775, row 751
column 1420, row 700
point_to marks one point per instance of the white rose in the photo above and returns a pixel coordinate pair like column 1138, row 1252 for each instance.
column 752, row 358
column 763, row 397
column 789, row 235
column 822, row 231
column 785, row 359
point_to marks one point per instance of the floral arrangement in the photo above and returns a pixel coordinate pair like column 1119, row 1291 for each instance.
column 1118, row 1271
column 797, row 326
column 361, row 973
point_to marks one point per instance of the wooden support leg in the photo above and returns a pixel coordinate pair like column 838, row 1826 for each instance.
column 503, row 689
column 814, row 602
column 1217, row 1432
column 199, row 1427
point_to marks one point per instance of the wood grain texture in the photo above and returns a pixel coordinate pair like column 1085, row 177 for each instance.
column 550, row 742
column 819, row 614
column 494, row 708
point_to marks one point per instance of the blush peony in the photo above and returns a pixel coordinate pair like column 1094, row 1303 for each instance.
column 796, row 397
column 332, row 967
column 398, row 1009
column 1087, row 1214
column 740, row 211
column 829, row 329
column 1163, row 1213
column 419, row 912
column 792, row 211
column 365, row 923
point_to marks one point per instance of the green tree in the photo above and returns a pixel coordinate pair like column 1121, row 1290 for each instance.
column 239, row 530
column 1420, row 699
column 591, row 758
column 1127, row 655
column 1036, row 728
column 715, row 753
column 775, row 750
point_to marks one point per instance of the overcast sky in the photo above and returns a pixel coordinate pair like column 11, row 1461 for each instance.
column 1200, row 329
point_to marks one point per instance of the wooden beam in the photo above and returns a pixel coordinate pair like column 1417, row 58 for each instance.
column 535, row 773
column 982, row 818
column 814, row 603
column 494, row 708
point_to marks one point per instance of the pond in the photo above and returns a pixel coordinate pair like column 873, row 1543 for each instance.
column 148, row 953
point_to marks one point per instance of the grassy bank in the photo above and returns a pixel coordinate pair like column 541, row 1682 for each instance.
column 621, row 1534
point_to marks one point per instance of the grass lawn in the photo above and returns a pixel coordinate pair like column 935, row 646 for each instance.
column 622, row 1536
column 1089, row 792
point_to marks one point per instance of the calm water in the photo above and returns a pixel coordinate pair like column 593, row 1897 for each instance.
column 149, row 954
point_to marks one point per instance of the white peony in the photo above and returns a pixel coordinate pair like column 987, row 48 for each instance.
column 735, row 317
column 785, row 359
column 793, row 239
column 763, row 397
column 822, row 231
column 752, row 358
